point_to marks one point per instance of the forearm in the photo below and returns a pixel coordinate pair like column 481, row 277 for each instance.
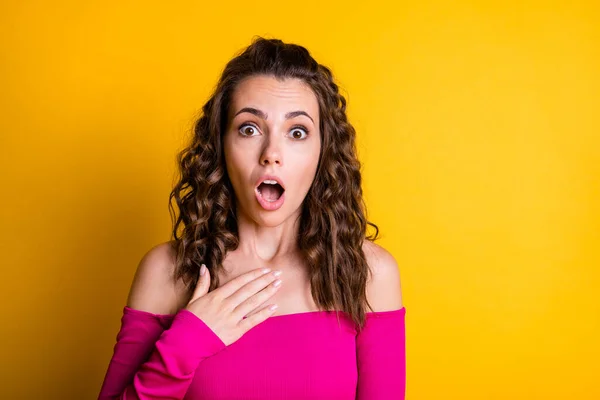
column 170, row 369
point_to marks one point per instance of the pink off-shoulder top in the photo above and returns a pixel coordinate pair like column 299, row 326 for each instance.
column 309, row 355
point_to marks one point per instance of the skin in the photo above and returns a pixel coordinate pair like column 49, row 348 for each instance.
column 288, row 148
column 267, row 238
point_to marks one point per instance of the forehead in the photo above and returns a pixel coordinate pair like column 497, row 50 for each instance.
column 275, row 96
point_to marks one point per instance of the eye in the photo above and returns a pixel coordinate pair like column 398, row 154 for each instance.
column 248, row 130
column 299, row 130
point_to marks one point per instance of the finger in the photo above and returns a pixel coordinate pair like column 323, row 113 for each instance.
column 256, row 309
column 252, row 320
column 251, row 288
column 203, row 283
column 233, row 285
column 253, row 302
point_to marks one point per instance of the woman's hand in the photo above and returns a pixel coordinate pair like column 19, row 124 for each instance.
column 223, row 309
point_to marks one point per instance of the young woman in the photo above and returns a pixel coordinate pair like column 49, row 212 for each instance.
column 264, row 292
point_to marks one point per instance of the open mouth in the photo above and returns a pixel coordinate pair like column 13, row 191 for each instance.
column 271, row 192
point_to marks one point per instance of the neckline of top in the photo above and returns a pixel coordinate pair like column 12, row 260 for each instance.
column 306, row 313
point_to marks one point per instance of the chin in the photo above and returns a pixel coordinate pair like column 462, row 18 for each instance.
column 270, row 219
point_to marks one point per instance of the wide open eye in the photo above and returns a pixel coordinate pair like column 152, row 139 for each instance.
column 298, row 130
column 248, row 130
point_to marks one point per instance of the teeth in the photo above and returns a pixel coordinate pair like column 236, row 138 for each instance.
column 270, row 182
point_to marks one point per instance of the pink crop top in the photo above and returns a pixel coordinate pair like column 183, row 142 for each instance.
column 290, row 356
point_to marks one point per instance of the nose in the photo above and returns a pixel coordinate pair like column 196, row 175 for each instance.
column 271, row 154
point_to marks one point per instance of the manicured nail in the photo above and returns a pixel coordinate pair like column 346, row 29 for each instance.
column 202, row 269
column 273, row 307
column 265, row 270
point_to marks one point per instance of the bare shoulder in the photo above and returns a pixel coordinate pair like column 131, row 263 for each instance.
column 383, row 289
column 153, row 288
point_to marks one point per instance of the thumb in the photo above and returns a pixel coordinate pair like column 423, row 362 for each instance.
column 203, row 283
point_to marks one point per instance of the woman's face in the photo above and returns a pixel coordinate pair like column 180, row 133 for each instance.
column 272, row 129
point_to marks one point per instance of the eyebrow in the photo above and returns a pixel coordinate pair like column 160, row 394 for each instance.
column 260, row 114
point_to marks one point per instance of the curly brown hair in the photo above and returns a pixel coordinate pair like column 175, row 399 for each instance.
column 333, row 218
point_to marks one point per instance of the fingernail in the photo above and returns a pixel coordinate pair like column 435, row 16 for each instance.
column 202, row 269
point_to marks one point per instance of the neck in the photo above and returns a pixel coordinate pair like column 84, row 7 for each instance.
column 268, row 245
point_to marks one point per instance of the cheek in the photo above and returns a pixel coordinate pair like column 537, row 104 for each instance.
column 305, row 166
column 237, row 158
column 233, row 163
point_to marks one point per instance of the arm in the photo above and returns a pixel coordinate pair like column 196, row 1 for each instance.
column 157, row 351
column 381, row 357
column 380, row 345
column 143, row 367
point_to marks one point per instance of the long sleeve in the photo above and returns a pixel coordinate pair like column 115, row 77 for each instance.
column 154, row 361
column 381, row 356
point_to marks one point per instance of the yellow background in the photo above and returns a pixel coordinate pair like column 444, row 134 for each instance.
column 479, row 133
